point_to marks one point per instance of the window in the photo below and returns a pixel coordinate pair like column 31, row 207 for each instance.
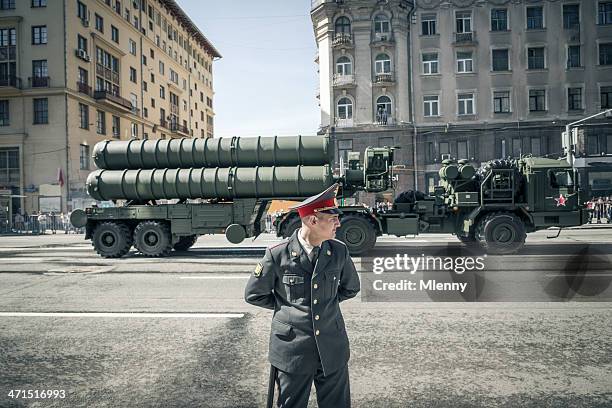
column 107, row 70
column 101, row 122
column 444, row 148
column 383, row 64
column 383, row 109
column 604, row 12
column 428, row 24
column 132, row 47
column 116, row 127
column 133, row 75
column 83, row 76
column 99, row 23
column 605, row 94
column 517, row 149
column 574, row 98
column 381, row 24
column 344, row 66
column 462, row 149
column 430, row 63
column 152, row 53
column 152, row 102
column 174, row 76
column 115, row 34
column 345, row 109
column 342, row 26
column 344, row 147
column 430, row 105
column 573, row 56
column 500, row 60
column 39, row 35
column 7, row 4
column 464, row 61
column 463, row 21
column 161, row 68
column 535, row 58
column 571, row 16
column 499, row 20
column 39, row 3
column 84, row 116
column 537, row 100
column 40, row 73
column 134, row 128
column 4, row 113
column 501, row 102
column 144, row 60
column 162, row 92
column 535, row 18
column 41, row 111
column 82, row 43
column 605, row 54
column 465, row 104
column 84, row 157
column 81, row 10
column 144, row 86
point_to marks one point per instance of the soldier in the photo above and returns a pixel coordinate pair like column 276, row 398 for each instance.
column 303, row 280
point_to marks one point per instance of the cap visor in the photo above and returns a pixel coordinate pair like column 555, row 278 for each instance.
column 332, row 211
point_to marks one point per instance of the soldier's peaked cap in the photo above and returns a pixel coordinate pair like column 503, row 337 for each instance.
column 324, row 202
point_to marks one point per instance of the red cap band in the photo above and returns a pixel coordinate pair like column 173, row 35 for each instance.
column 311, row 208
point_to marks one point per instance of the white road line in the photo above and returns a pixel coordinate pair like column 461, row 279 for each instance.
column 216, row 277
column 120, row 314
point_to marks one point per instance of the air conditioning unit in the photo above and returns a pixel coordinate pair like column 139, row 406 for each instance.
column 82, row 54
column 85, row 22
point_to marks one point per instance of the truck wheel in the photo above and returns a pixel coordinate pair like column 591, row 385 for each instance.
column 184, row 243
column 112, row 239
column 357, row 233
column 501, row 233
column 152, row 238
column 291, row 226
column 470, row 239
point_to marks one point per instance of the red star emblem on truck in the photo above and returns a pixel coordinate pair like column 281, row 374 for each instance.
column 561, row 200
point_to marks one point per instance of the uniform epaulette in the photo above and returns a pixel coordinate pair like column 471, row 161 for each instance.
column 277, row 245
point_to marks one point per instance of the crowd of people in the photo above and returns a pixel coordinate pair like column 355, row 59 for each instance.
column 601, row 208
column 42, row 223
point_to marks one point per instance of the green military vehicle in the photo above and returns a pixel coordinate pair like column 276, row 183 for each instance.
column 226, row 185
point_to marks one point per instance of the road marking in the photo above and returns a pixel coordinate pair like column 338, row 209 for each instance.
column 123, row 314
column 216, row 277
column 591, row 275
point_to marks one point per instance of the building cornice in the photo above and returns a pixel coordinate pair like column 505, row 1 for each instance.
column 99, row 39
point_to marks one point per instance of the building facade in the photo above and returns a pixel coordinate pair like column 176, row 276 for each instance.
column 75, row 72
column 500, row 78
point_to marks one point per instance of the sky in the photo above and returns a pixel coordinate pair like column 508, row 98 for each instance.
column 265, row 84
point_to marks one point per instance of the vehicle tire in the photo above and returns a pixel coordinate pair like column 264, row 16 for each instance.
column 112, row 239
column 186, row 242
column 291, row 226
column 152, row 238
column 470, row 239
column 501, row 233
column 357, row 233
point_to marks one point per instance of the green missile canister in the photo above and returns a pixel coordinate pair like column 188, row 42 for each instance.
column 211, row 152
column 209, row 183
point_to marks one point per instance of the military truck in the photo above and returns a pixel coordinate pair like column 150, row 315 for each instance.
column 214, row 186
column 493, row 207
column 226, row 185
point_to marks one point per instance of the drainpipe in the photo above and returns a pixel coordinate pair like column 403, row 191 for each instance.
column 411, row 91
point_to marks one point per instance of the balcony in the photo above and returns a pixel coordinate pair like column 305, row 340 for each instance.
column 107, row 73
column 465, row 38
column 387, row 78
column 342, row 123
column 382, row 39
column 177, row 128
column 344, row 81
column 10, row 81
column 82, row 87
column 342, row 40
column 113, row 100
column 39, row 81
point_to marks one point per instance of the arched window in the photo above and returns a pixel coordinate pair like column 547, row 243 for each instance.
column 381, row 24
column 345, row 109
column 343, row 25
column 383, row 103
column 344, row 66
column 383, row 64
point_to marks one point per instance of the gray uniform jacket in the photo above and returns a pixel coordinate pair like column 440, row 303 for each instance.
column 307, row 324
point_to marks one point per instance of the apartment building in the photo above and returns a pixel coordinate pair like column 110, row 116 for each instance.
column 75, row 72
column 483, row 80
column 364, row 78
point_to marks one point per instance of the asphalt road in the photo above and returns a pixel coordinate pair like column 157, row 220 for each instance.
column 530, row 330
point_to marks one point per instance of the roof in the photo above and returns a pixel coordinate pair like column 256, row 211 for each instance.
column 541, row 162
column 190, row 26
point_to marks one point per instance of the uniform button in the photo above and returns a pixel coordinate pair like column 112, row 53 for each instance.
column 317, row 333
column 317, row 317
column 315, row 286
column 315, row 301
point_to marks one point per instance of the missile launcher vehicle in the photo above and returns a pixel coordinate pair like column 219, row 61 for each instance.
column 168, row 192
